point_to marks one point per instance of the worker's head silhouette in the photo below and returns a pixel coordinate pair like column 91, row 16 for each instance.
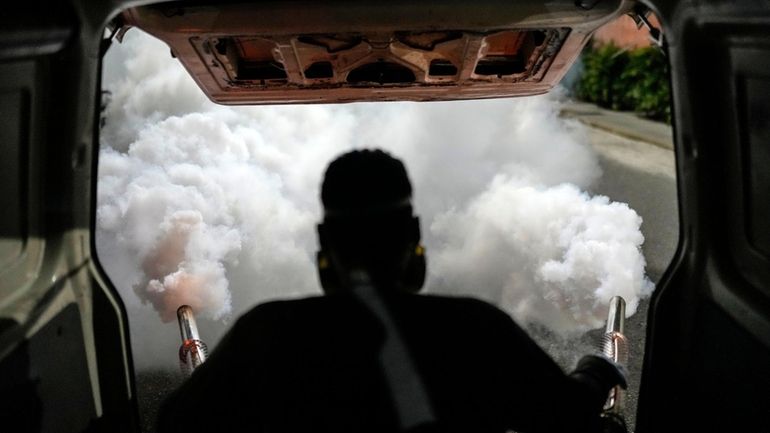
column 368, row 224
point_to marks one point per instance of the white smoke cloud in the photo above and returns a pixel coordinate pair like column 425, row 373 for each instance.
column 216, row 206
column 553, row 256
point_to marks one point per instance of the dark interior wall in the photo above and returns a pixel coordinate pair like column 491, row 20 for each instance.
column 707, row 366
column 64, row 319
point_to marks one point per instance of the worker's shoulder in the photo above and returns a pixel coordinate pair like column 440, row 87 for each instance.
column 332, row 307
column 453, row 301
column 283, row 308
column 462, row 306
column 295, row 310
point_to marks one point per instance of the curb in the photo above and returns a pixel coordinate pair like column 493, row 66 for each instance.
column 625, row 124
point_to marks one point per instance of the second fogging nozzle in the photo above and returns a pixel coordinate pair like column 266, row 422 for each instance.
column 193, row 351
column 615, row 346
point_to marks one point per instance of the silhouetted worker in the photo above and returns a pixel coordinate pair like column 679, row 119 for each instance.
column 372, row 355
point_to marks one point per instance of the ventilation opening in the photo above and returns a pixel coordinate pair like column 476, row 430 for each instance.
column 500, row 65
column 507, row 52
column 251, row 58
column 442, row 68
column 270, row 70
column 319, row 70
column 538, row 37
column 382, row 73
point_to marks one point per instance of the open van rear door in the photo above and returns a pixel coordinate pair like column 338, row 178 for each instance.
column 707, row 364
column 65, row 364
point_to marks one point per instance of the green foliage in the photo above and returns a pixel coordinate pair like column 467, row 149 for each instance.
column 635, row 80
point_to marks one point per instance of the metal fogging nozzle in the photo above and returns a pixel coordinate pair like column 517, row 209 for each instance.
column 615, row 347
column 193, row 351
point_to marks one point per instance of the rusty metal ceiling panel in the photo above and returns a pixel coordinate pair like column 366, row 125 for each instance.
column 295, row 52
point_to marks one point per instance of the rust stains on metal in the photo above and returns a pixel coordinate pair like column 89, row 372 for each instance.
column 237, row 57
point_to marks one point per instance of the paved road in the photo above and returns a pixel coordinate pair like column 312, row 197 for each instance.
column 624, row 124
column 636, row 172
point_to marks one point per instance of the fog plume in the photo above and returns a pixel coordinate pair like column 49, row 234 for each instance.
column 553, row 256
column 216, row 206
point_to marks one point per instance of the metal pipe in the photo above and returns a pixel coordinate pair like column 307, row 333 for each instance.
column 187, row 325
column 616, row 319
column 193, row 351
column 615, row 347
